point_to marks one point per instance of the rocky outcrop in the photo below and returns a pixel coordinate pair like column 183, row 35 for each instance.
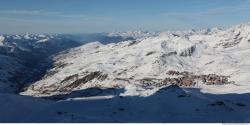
column 150, row 53
column 71, row 82
column 188, row 51
column 79, row 81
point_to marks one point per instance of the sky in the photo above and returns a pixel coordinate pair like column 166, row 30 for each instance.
column 92, row 16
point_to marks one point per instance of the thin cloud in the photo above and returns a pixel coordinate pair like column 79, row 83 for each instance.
column 228, row 9
column 212, row 11
column 41, row 13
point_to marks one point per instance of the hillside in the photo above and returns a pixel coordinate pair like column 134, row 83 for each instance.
column 209, row 60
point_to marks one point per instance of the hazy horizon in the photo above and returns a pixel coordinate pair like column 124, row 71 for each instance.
column 93, row 16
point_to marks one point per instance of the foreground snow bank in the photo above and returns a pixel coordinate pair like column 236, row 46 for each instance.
column 170, row 104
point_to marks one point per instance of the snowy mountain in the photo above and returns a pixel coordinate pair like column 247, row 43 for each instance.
column 106, row 38
column 26, row 57
column 210, row 60
column 21, row 55
column 181, row 76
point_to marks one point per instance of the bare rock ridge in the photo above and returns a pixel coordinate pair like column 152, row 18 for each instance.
column 72, row 82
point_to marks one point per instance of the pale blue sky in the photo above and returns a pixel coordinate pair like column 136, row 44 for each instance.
column 88, row 16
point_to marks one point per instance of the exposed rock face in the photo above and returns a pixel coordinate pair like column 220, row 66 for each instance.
column 83, row 80
column 149, row 53
column 188, row 51
column 71, row 83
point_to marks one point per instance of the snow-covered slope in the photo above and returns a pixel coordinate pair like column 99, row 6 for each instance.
column 25, row 57
column 22, row 55
column 220, row 56
column 170, row 104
